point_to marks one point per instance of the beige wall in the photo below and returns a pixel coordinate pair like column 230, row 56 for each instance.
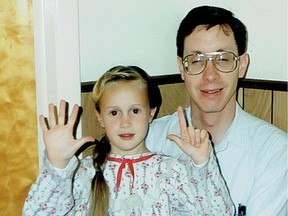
column 269, row 105
column 18, row 129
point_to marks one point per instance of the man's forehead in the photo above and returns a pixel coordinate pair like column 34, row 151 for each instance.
column 205, row 39
column 225, row 28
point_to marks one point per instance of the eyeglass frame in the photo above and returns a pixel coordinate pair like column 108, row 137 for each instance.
column 210, row 58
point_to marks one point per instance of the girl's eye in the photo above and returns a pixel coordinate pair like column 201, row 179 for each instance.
column 113, row 113
column 136, row 111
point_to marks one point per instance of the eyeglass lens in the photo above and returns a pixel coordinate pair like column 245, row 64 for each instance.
column 223, row 61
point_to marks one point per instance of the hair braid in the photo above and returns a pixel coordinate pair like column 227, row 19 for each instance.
column 100, row 189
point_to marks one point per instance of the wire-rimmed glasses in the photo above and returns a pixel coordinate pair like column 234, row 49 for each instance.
column 196, row 63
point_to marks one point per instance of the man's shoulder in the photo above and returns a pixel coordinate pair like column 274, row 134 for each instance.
column 245, row 119
column 257, row 130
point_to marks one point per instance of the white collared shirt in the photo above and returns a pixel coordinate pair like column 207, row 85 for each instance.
column 252, row 156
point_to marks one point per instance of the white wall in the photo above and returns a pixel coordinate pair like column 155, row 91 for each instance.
column 143, row 33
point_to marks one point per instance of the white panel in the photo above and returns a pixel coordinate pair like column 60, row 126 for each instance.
column 56, row 55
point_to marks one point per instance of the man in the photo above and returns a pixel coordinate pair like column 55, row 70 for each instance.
column 252, row 154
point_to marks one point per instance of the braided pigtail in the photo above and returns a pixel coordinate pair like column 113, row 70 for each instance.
column 100, row 189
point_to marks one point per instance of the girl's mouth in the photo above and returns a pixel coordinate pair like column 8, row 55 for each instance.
column 126, row 136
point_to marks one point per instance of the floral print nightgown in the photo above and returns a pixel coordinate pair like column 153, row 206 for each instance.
column 145, row 184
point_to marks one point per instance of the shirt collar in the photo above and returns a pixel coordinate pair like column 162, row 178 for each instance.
column 231, row 136
column 234, row 132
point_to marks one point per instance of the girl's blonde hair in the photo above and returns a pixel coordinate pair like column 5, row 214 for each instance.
column 100, row 189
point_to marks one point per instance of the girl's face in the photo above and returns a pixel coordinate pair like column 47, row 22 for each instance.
column 125, row 115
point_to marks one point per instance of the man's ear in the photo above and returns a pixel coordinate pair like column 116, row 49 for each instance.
column 99, row 119
column 180, row 67
column 152, row 114
column 243, row 65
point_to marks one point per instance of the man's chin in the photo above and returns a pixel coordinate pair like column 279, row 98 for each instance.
column 212, row 109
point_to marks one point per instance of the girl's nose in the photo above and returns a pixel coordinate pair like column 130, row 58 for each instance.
column 125, row 121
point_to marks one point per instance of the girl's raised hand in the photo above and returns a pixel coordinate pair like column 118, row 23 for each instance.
column 58, row 134
column 194, row 142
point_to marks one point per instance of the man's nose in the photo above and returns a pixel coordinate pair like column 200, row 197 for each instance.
column 210, row 72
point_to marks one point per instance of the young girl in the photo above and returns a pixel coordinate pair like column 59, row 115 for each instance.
column 123, row 177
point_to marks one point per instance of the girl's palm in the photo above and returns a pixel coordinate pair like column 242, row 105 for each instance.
column 58, row 134
column 194, row 142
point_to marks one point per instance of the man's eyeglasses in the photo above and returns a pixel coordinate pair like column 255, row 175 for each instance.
column 196, row 63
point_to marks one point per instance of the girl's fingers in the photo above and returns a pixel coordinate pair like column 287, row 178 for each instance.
column 194, row 136
column 204, row 136
column 73, row 117
column 197, row 138
column 191, row 134
column 188, row 133
column 182, row 122
column 82, row 141
column 62, row 113
column 175, row 139
column 52, row 115
column 43, row 123
column 61, row 118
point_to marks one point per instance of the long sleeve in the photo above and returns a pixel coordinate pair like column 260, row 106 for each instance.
column 208, row 187
column 59, row 191
column 163, row 185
